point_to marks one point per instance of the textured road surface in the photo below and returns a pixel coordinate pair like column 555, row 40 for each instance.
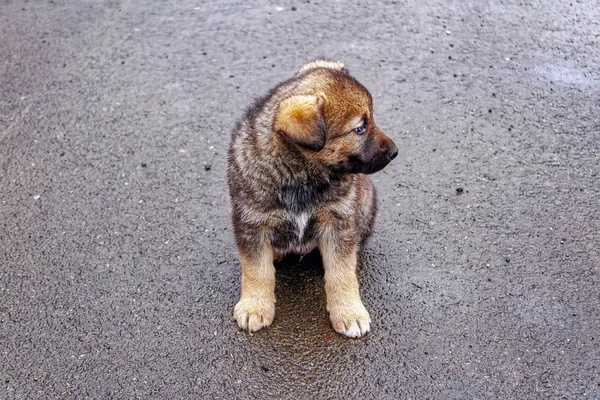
column 118, row 271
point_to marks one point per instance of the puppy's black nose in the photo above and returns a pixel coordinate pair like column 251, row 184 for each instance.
column 392, row 152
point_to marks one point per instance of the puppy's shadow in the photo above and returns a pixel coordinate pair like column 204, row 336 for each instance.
column 300, row 292
column 300, row 347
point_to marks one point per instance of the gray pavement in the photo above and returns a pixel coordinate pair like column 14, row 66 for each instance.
column 118, row 270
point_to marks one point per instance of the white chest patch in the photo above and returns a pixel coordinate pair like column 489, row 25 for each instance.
column 301, row 221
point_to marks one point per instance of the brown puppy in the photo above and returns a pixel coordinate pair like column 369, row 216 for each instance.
column 296, row 180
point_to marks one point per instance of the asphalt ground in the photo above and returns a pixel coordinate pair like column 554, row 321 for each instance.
column 118, row 269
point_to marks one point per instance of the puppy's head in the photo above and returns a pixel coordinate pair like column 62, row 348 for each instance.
column 328, row 116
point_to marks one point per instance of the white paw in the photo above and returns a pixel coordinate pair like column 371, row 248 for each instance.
column 253, row 314
column 351, row 320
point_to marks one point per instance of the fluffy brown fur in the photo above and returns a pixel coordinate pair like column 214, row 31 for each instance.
column 297, row 161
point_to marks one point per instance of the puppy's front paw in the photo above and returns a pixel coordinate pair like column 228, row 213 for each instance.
column 253, row 314
column 351, row 320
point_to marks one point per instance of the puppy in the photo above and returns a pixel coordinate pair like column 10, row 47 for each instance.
column 296, row 173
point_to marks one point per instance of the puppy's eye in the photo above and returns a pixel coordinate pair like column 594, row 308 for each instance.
column 361, row 129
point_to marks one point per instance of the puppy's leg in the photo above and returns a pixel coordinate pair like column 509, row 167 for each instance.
column 256, row 307
column 346, row 311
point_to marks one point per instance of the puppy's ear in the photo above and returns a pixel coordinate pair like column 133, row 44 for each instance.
column 322, row 63
column 300, row 120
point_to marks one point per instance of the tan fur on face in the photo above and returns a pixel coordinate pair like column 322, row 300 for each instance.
column 345, row 104
column 346, row 101
column 356, row 122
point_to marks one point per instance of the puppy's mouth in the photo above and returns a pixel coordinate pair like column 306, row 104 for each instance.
column 357, row 166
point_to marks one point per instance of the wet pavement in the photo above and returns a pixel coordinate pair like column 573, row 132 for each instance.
column 118, row 270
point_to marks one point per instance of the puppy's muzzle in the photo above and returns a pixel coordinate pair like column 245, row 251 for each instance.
column 385, row 150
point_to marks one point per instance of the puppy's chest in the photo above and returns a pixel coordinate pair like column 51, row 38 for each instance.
column 300, row 203
column 295, row 232
column 299, row 199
